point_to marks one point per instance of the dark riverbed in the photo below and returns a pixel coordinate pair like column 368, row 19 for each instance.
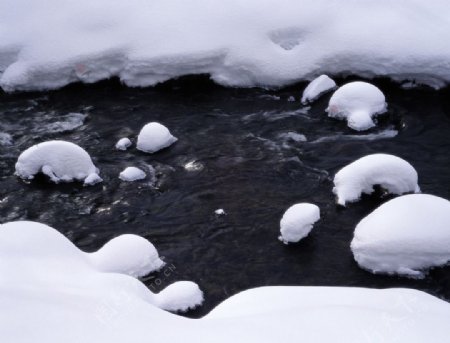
column 234, row 152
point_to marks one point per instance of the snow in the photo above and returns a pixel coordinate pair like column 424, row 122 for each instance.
column 127, row 254
column 358, row 103
column 61, row 161
column 257, row 43
column 132, row 174
column 405, row 236
column 154, row 137
column 123, row 144
column 220, row 212
column 51, row 291
column 392, row 173
column 297, row 222
column 317, row 87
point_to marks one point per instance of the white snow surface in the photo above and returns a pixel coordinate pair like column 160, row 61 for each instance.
column 123, row 144
column 357, row 102
column 132, row 174
column 392, row 173
column 46, row 44
column 51, row 292
column 297, row 222
column 405, row 236
column 154, row 137
column 61, row 161
column 317, row 87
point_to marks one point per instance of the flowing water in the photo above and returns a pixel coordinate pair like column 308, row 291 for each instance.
column 250, row 152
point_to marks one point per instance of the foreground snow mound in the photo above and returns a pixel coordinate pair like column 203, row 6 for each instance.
column 127, row 254
column 123, row 144
column 297, row 222
column 404, row 236
column 154, row 137
column 132, row 174
column 358, row 103
column 52, row 292
column 317, row 87
column 257, row 43
column 392, row 173
column 61, row 161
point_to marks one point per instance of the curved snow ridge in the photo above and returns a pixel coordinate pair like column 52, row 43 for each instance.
column 257, row 43
column 405, row 236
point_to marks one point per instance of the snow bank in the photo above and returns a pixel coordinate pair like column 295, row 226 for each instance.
column 257, row 43
column 297, row 222
column 132, row 174
column 51, row 292
column 127, row 254
column 392, row 173
column 154, row 137
column 404, row 236
column 358, row 103
column 317, row 87
column 61, row 161
column 123, row 144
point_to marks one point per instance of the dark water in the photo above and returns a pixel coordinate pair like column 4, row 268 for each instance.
column 245, row 165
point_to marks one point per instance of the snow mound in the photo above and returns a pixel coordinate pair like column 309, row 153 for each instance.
column 132, row 174
column 317, row 87
column 220, row 212
column 123, row 144
column 405, row 236
column 61, row 161
column 257, row 43
column 127, row 254
column 51, row 290
column 154, row 137
column 297, row 222
column 357, row 102
column 392, row 173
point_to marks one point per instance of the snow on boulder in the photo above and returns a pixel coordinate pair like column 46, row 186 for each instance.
column 358, row 103
column 61, row 161
column 405, row 236
column 392, row 173
column 127, row 254
column 132, row 174
column 180, row 296
column 154, row 137
column 123, row 144
column 317, row 87
column 297, row 222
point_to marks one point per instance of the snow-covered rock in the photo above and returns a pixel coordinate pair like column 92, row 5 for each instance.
column 358, row 103
column 132, row 174
column 257, row 43
column 154, row 137
column 297, row 222
column 220, row 212
column 405, row 236
column 61, row 161
column 180, row 296
column 317, row 87
column 392, row 173
column 51, row 291
column 123, row 144
column 127, row 254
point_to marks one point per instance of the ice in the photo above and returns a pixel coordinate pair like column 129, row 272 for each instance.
column 132, row 174
column 392, row 173
column 297, row 222
column 61, row 161
column 123, row 144
column 257, row 43
column 51, row 291
column 358, row 103
column 154, row 137
column 405, row 236
column 317, row 87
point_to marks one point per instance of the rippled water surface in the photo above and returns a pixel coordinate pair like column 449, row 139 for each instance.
column 251, row 152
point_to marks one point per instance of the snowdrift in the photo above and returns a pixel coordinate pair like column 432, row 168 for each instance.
column 47, row 44
column 51, row 292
